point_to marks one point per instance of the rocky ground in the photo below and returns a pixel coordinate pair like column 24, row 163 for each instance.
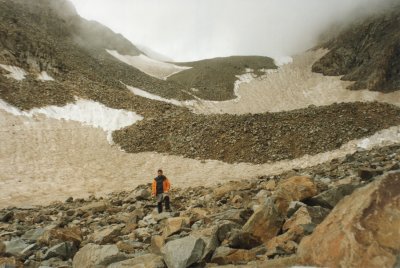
column 270, row 221
column 367, row 52
column 258, row 138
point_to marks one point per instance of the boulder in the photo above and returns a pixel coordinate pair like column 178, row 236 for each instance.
column 243, row 240
column 223, row 229
column 222, row 190
column 106, row 235
column 239, row 216
column 174, row 225
column 293, row 207
column 129, row 246
column 96, row 207
column 226, row 255
column 64, row 251
column 156, row 244
column 140, row 194
column 2, row 248
column 15, row 246
column 210, row 238
column 10, row 263
column 361, row 231
column 144, row 261
column 92, row 255
column 182, row 253
column 6, row 216
column 306, row 215
column 57, row 235
column 34, row 234
column 369, row 173
column 266, row 221
column 269, row 185
column 295, row 188
column 331, row 197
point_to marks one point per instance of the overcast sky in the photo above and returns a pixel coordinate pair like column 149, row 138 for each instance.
column 185, row 30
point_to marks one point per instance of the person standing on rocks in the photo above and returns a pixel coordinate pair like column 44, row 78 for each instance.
column 160, row 189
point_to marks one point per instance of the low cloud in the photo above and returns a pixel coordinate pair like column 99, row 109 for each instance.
column 186, row 30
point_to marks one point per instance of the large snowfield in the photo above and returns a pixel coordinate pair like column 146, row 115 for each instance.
column 66, row 150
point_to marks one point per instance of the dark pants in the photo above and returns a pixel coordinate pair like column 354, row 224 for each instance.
column 160, row 199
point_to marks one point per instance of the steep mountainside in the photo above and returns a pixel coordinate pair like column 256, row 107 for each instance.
column 368, row 53
column 49, row 36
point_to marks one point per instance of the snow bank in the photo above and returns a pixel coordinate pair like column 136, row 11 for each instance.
column 86, row 112
column 15, row 72
column 155, row 68
column 44, row 76
column 283, row 60
column 145, row 94
column 382, row 138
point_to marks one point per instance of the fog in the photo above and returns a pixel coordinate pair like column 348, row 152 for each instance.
column 186, row 30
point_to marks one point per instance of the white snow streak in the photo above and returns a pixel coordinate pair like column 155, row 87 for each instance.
column 44, row 76
column 382, row 138
column 16, row 73
column 86, row 112
column 155, row 68
column 145, row 94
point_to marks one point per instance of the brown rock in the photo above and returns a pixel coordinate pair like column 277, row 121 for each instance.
column 144, row 261
column 230, row 187
column 270, row 185
column 157, row 242
column 225, row 255
column 361, row 231
column 106, row 235
column 174, row 225
column 265, row 222
column 58, row 235
column 295, row 188
column 96, row 207
column 196, row 214
column 10, row 262
column 2, row 248
column 306, row 215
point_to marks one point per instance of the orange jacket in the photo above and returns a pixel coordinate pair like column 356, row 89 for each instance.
column 166, row 186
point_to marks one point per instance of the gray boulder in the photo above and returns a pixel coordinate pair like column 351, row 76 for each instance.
column 182, row 253
column 97, row 256
column 64, row 251
column 15, row 247
column 331, row 197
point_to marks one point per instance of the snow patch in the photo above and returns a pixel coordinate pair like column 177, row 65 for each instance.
column 382, row 138
column 44, row 76
column 16, row 73
column 283, row 60
column 87, row 112
column 152, row 67
column 147, row 95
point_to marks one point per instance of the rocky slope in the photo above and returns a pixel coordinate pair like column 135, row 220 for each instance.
column 265, row 222
column 258, row 138
column 50, row 36
column 368, row 52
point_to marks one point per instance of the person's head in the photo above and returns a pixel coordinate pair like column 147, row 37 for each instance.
column 159, row 172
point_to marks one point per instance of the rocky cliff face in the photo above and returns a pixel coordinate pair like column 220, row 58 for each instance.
column 368, row 52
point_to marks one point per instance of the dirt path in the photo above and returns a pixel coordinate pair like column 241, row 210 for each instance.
column 44, row 160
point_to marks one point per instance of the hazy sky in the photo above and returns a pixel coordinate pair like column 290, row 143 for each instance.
column 195, row 29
